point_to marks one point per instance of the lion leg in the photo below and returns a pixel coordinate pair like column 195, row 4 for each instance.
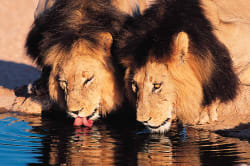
column 204, row 118
column 213, row 115
column 209, row 113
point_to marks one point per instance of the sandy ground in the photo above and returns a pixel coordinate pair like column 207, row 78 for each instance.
column 16, row 17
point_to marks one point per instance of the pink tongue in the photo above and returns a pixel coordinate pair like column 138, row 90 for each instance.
column 88, row 123
column 78, row 121
column 83, row 121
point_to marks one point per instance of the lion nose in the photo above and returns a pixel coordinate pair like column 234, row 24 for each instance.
column 76, row 112
column 145, row 121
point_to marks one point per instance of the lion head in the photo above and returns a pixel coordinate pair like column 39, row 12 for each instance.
column 83, row 80
column 166, row 87
column 169, row 86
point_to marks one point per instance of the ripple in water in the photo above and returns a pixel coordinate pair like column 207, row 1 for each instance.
column 18, row 145
column 47, row 141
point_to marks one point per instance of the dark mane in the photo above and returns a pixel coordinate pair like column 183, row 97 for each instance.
column 70, row 20
column 155, row 30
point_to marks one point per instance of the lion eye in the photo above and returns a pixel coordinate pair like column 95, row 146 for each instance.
column 157, row 86
column 89, row 80
column 134, row 86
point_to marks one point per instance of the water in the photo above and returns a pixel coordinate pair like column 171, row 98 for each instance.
column 32, row 140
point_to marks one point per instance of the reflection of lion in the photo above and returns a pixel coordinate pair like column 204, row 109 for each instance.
column 72, row 43
column 177, row 63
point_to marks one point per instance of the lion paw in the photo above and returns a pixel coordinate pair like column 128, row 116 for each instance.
column 204, row 117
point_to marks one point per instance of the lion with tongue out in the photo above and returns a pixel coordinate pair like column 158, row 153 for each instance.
column 85, row 84
column 71, row 42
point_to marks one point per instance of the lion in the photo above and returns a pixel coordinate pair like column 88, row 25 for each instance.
column 182, row 59
column 71, row 42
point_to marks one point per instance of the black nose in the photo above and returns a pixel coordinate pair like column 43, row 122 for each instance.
column 147, row 120
column 76, row 112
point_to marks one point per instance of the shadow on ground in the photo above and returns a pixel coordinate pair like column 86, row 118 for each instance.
column 240, row 131
column 13, row 75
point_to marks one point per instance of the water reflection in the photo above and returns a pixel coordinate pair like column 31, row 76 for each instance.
column 18, row 144
column 54, row 141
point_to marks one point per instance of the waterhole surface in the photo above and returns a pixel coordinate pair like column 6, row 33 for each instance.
column 35, row 140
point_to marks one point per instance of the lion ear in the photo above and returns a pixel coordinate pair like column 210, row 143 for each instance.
column 181, row 46
column 106, row 40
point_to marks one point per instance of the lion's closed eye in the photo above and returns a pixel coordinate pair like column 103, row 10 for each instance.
column 88, row 81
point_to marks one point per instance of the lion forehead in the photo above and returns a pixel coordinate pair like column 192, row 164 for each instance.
column 80, row 67
column 153, row 72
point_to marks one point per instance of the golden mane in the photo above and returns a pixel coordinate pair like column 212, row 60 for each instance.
column 188, row 79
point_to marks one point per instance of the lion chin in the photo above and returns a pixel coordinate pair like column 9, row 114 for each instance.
column 162, row 128
column 152, row 116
